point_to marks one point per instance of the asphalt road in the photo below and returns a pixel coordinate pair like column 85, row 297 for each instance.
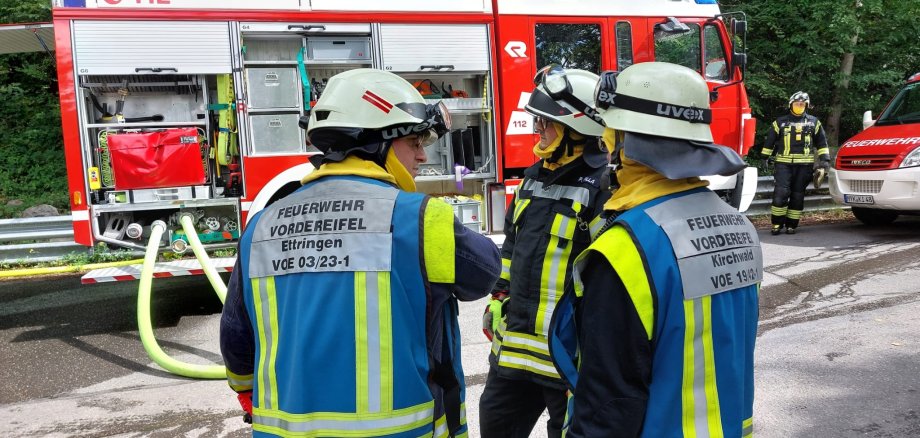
column 838, row 353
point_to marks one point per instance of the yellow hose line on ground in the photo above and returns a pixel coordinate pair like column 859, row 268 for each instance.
column 146, row 328
column 192, row 234
column 64, row 269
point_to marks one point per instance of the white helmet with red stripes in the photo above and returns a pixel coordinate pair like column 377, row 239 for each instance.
column 363, row 109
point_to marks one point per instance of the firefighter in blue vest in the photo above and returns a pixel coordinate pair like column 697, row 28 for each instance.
column 656, row 336
column 796, row 139
column 549, row 223
column 341, row 315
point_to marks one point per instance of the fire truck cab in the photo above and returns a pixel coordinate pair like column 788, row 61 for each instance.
column 877, row 171
column 192, row 106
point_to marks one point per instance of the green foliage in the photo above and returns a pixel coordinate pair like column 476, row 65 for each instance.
column 31, row 148
column 569, row 45
column 799, row 45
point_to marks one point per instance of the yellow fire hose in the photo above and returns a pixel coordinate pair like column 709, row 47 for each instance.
column 144, row 295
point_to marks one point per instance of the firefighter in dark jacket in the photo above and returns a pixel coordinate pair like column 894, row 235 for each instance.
column 549, row 222
column 656, row 337
column 796, row 139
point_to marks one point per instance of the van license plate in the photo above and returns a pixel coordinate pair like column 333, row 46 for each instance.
column 858, row 199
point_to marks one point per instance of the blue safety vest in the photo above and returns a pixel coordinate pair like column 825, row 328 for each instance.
column 692, row 266
column 335, row 283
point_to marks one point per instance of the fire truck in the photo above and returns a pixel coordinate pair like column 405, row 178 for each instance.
column 877, row 171
column 192, row 106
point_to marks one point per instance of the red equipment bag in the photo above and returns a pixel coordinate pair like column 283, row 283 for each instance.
column 147, row 160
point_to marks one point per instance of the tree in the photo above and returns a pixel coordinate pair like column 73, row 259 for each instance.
column 804, row 45
column 31, row 147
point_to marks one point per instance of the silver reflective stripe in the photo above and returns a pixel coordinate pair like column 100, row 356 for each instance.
column 700, row 408
column 531, row 344
column 525, row 361
column 373, row 343
column 236, row 382
column 747, row 430
column 580, row 195
column 440, row 429
column 265, row 371
column 332, row 425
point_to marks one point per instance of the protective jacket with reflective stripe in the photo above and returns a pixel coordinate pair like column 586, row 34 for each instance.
column 680, row 259
column 549, row 222
column 796, row 140
column 350, row 286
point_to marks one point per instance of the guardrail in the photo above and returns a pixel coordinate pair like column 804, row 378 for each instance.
column 815, row 199
column 37, row 239
column 51, row 238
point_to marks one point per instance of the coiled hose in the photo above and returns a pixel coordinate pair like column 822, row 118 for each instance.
column 144, row 325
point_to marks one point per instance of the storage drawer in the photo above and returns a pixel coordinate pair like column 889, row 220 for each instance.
column 306, row 28
column 271, row 87
column 434, row 47
column 276, row 134
column 342, row 49
column 151, row 47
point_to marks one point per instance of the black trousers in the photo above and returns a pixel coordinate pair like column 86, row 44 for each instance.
column 789, row 193
column 510, row 408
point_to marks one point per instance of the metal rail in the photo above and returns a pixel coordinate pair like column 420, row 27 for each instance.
column 51, row 238
column 37, row 239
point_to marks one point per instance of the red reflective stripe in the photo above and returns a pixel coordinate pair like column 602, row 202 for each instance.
column 377, row 101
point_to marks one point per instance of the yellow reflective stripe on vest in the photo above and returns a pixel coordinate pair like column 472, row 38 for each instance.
column 521, row 361
column 239, row 382
column 438, row 230
column 341, row 424
column 824, row 151
column 506, row 269
column 373, row 342
column 266, row 310
column 621, row 252
column 701, row 414
column 519, row 207
column 526, row 341
column 747, row 428
column 555, row 264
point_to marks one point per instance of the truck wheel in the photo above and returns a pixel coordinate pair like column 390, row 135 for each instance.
column 871, row 216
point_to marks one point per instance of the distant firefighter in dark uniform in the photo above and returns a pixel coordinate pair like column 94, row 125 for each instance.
column 800, row 139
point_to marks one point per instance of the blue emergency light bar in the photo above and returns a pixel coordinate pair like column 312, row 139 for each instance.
column 707, row 2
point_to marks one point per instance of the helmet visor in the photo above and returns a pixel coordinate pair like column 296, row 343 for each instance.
column 554, row 81
column 433, row 116
column 798, row 107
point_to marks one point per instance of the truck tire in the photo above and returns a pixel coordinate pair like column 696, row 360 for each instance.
column 871, row 216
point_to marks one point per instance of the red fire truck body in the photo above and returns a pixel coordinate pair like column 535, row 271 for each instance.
column 139, row 79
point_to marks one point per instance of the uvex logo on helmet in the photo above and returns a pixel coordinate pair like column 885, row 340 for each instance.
column 592, row 113
column 402, row 131
column 606, row 97
column 692, row 115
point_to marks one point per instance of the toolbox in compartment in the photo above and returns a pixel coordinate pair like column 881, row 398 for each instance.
column 162, row 158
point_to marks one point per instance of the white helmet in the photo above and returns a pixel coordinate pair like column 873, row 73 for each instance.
column 656, row 98
column 800, row 96
column 566, row 96
column 363, row 109
column 663, row 109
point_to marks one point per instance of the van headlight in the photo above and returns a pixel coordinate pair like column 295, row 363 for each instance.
column 912, row 159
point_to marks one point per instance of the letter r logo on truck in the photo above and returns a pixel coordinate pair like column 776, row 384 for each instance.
column 516, row 49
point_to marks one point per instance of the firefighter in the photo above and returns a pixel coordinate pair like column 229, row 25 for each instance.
column 796, row 139
column 548, row 224
column 656, row 336
column 341, row 315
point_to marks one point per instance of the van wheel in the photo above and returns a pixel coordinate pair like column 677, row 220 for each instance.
column 871, row 216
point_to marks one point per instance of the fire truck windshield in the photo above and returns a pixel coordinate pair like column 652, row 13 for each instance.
column 904, row 108
column 679, row 48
